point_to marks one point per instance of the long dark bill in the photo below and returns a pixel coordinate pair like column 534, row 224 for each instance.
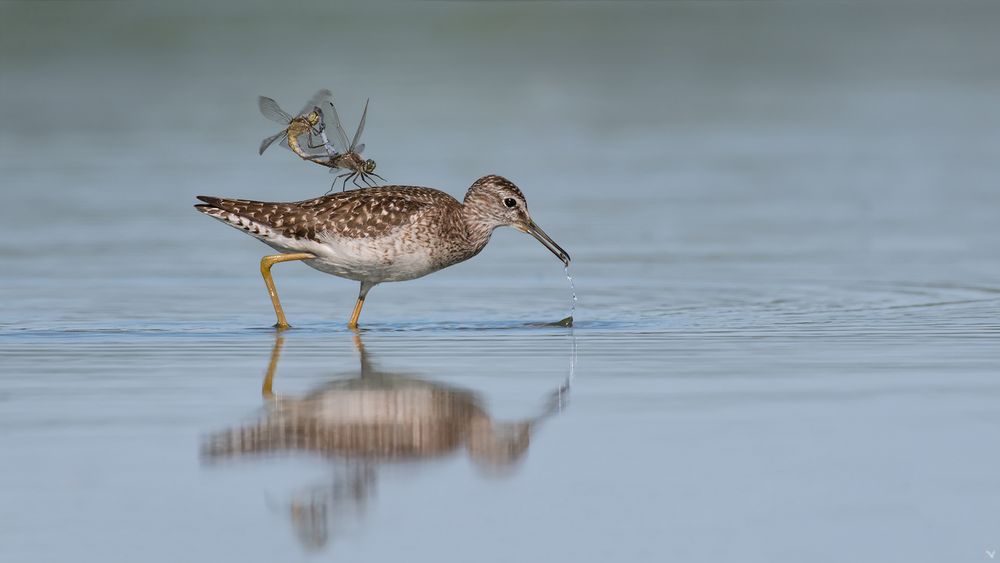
column 536, row 231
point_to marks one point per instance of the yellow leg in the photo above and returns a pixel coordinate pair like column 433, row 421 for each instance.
column 353, row 323
column 265, row 270
column 365, row 287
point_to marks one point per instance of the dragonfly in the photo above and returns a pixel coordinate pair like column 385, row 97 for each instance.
column 346, row 156
column 309, row 122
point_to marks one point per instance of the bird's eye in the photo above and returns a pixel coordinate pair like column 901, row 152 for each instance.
column 510, row 202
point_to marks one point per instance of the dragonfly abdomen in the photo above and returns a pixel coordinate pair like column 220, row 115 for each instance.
column 295, row 130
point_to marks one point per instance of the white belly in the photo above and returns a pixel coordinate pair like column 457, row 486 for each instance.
column 364, row 259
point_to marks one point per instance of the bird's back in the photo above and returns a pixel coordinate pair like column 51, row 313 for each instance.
column 367, row 213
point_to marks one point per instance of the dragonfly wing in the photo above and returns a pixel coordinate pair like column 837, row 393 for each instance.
column 270, row 109
column 267, row 142
column 361, row 128
column 341, row 134
column 360, row 148
column 318, row 99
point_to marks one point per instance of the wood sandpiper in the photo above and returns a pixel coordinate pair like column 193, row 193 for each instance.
column 375, row 235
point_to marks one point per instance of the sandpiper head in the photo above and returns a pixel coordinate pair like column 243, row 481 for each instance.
column 497, row 202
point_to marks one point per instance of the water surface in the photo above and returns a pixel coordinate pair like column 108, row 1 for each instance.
column 783, row 225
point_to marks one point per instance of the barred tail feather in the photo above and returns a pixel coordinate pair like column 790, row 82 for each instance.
column 225, row 211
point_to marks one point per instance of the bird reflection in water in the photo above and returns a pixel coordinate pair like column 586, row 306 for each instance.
column 377, row 417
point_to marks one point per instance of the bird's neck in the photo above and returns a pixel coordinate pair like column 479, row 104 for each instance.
column 478, row 228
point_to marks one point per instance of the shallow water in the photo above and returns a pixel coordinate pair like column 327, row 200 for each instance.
column 783, row 222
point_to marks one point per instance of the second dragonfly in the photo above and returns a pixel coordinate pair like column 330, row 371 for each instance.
column 340, row 155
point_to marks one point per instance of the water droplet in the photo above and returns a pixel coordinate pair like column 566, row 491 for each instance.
column 572, row 288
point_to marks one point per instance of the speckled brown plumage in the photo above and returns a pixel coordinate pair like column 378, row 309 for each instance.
column 389, row 233
column 372, row 212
